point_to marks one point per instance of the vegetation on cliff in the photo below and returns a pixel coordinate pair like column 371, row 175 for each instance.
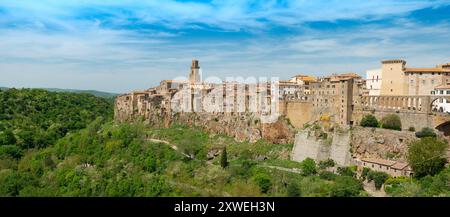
column 64, row 144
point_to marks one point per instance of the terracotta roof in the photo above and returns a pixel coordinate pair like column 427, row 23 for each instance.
column 305, row 78
column 351, row 75
column 379, row 161
column 399, row 166
column 426, row 70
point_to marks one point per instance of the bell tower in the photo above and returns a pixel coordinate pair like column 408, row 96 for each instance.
column 194, row 75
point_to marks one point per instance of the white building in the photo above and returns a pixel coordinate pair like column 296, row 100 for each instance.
column 373, row 82
column 441, row 104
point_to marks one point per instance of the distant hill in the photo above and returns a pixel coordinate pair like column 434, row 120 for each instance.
column 93, row 92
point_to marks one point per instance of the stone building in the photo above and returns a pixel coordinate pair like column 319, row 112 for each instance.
column 390, row 167
column 194, row 75
column 305, row 81
column 333, row 97
column 400, row 81
column 373, row 82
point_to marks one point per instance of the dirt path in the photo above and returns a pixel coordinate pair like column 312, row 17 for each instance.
column 370, row 188
column 291, row 170
column 174, row 147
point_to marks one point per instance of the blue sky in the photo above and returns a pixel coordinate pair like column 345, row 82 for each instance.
column 119, row 46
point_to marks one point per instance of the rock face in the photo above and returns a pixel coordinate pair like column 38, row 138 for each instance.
column 310, row 144
column 381, row 143
column 241, row 126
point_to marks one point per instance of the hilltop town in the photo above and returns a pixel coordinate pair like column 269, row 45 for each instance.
column 321, row 116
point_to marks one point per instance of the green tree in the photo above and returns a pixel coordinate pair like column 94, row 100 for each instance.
column 391, row 121
column 263, row 181
column 427, row 156
column 379, row 178
column 346, row 171
column 346, row 186
column 223, row 158
column 324, row 164
column 369, row 121
column 308, row 167
column 7, row 138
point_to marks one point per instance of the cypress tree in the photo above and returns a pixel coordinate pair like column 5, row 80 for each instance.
column 223, row 159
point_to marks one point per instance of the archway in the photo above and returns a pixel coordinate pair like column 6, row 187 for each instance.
column 440, row 104
column 444, row 128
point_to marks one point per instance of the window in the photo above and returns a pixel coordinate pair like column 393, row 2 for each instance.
column 441, row 92
column 432, row 92
column 448, row 91
column 391, row 90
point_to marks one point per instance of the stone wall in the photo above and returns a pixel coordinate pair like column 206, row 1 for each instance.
column 310, row 144
column 408, row 119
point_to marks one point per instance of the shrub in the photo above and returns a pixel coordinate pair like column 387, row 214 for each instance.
column 369, row 121
column 327, row 175
column 392, row 122
column 412, row 129
column 427, row 156
column 426, row 132
column 345, row 186
column 263, row 181
column 392, row 185
column 364, row 173
column 326, row 164
column 308, row 167
column 378, row 177
column 346, row 171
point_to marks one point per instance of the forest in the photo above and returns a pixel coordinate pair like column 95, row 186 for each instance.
column 66, row 144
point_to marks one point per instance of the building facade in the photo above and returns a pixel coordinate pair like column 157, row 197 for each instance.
column 441, row 104
column 373, row 82
column 401, row 81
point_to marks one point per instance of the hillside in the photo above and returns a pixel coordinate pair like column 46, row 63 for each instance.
column 93, row 92
column 31, row 118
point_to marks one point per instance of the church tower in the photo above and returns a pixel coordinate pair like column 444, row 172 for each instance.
column 194, row 76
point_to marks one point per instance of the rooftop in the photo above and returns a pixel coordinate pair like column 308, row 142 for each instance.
column 379, row 161
column 416, row 70
column 399, row 166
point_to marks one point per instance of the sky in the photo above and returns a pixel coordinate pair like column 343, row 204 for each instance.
column 120, row 46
